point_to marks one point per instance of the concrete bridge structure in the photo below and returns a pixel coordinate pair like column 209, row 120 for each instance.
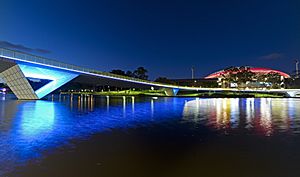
column 16, row 67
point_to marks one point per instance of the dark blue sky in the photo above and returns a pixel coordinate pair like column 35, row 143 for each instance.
column 166, row 37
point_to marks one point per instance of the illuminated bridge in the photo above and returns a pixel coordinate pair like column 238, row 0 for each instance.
column 16, row 67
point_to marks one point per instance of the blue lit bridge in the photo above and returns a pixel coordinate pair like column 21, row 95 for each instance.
column 16, row 67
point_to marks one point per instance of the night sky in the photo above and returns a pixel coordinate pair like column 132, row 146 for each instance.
column 166, row 37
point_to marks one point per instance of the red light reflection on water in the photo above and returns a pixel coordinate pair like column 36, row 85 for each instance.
column 262, row 116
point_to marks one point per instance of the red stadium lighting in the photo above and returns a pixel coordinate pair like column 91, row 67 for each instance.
column 255, row 70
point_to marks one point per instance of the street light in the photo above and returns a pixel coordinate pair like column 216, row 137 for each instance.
column 193, row 72
column 297, row 69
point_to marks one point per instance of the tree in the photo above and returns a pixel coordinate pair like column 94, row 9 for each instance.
column 140, row 73
column 229, row 76
column 239, row 75
column 261, row 77
column 129, row 74
column 164, row 80
column 244, row 75
column 274, row 78
column 118, row 72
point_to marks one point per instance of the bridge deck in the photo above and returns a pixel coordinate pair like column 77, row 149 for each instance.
column 29, row 58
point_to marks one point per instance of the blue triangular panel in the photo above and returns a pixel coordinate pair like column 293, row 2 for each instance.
column 57, row 77
column 175, row 91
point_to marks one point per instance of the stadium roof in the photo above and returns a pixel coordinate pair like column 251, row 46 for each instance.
column 252, row 69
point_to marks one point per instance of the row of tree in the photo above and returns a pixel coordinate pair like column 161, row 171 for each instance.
column 140, row 73
column 164, row 80
column 243, row 76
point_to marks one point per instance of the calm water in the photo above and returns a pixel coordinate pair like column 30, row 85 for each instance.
column 89, row 136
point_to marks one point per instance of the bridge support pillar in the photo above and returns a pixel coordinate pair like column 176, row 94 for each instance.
column 15, row 75
column 18, row 83
column 171, row 91
column 291, row 94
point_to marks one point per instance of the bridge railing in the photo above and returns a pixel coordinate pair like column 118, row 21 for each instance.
column 41, row 60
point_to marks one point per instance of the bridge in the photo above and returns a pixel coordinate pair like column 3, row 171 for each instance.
column 16, row 67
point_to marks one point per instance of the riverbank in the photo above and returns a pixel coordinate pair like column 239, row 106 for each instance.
column 122, row 93
column 235, row 95
column 161, row 93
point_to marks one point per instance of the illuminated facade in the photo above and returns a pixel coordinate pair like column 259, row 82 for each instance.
column 249, row 77
column 256, row 70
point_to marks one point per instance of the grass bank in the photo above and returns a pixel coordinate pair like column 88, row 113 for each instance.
column 227, row 94
column 124, row 93
column 235, row 95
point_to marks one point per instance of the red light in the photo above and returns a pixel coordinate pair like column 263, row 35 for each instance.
column 255, row 70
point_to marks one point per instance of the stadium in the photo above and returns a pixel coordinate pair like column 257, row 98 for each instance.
column 256, row 77
column 256, row 70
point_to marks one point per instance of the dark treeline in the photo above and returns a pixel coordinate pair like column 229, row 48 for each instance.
column 165, row 80
column 140, row 73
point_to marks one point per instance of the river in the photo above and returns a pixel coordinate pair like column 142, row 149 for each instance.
column 149, row 136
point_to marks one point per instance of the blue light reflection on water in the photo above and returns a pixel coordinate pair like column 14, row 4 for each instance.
column 32, row 127
column 37, row 119
column 29, row 128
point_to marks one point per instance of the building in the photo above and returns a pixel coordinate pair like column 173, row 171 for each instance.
column 256, row 70
column 200, row 82
column 250, row 77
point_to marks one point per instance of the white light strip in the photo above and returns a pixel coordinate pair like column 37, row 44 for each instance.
column 88, row 73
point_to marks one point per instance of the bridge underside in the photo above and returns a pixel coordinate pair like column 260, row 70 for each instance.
column 17, row 75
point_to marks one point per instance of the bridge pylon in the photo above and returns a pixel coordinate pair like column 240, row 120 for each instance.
column 16, row 74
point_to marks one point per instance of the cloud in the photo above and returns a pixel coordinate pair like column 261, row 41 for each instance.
column 272, row 56
column 6, row 44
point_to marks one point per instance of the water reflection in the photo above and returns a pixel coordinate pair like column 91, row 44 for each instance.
column 132, row 103
column 124, row 106
column 2, row 96
column 152, row 108
column 32, row 127
column 263, row 116
column 37, row 118
column 250, row 112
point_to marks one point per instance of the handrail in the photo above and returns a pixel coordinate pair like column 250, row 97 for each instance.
column 42, row 60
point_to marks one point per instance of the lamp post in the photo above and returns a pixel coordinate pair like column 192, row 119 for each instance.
column 297, row 69
column 193, row 72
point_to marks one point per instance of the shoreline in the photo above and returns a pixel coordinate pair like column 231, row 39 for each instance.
column 196, row 95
